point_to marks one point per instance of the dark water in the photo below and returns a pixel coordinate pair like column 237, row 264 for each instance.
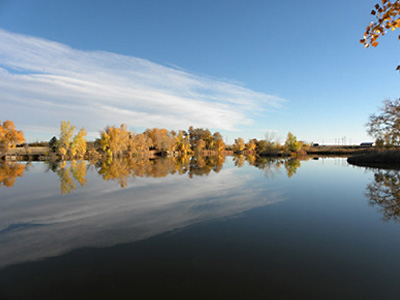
column 316, row 229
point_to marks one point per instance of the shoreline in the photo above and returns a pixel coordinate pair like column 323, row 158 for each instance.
column 389, row 159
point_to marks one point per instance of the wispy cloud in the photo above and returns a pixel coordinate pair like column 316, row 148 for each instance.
column 43, row 82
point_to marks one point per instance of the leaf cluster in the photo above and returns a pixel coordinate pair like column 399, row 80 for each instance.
column 387, row 17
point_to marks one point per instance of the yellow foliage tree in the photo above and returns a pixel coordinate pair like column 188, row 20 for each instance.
column 9, row 136
column 387, row 17
column 161, row 139
column 251, row 146
column 200, row 145
column 139, row 144
column 78, row 146
column 115, row 140
column 68, row 144
column 239, row 145
column 65, row 140
column 219, row 144
column 182, row 143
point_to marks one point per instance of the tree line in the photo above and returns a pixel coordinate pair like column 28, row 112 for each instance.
column 117, row 142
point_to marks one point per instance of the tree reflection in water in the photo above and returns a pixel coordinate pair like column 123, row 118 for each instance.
column 70, row 172
column 121, row 170
column 384, row 193
column 273, row 165
column 9, row 171
column 239, row 160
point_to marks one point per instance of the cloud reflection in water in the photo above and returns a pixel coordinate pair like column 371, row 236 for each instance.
column 101, row 214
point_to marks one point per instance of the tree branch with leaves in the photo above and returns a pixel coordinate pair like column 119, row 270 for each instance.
column 387, row 17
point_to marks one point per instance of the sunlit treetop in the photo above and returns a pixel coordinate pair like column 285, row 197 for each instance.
column 387, row 18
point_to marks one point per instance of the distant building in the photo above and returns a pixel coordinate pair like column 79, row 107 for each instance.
column 315, row 145
column 366, row 144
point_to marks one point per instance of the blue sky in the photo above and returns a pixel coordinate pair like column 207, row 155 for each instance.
column 239, row 67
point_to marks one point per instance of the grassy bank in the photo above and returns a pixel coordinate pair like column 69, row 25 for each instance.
column 377, row 159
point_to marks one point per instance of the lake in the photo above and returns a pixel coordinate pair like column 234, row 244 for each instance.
column 200, row 228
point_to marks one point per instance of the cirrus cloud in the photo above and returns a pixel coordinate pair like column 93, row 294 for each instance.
column 43, row 82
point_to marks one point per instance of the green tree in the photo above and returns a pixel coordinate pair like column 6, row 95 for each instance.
column 292, row 144
column 53, row 144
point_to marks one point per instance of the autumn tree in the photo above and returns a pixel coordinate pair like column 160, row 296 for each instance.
column 387, row 17
column 78, row 145
column 65, row 140
column 239, row 145
column 182, row 143
column 197, row 134
column 68, row 144
column 139, row 143
column 200, row 144
column 161, row 139
column 9, row 136
column 251, row 146
column 114, row 141
column 385, row 126
column 219, row 144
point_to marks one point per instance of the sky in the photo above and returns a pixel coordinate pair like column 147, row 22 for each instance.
column 243, row 68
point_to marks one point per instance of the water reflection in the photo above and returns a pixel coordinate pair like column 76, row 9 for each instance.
column 384, row 193
column 9, row 171
column 273, row 165
column 122, row 170
column 39, row 222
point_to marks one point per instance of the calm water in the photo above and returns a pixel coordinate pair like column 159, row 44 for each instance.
column 201, row 229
